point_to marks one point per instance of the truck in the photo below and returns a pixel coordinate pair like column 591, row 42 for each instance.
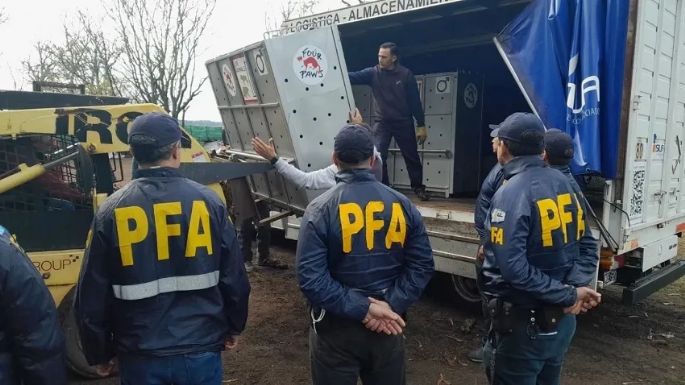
column 293, row 87
column 60, row 157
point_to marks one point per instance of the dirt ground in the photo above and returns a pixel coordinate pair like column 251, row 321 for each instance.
column 615, row 344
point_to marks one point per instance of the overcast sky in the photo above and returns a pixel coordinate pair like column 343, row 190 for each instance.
column 234, row 24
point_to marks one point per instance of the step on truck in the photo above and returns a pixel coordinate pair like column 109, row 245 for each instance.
column 470, row 58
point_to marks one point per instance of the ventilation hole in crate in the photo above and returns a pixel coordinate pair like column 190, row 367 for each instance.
column 266, row 81
column 263, row 95
column 301, row 136
column 321, row 85
column 438, row 172
column 306, row 88
column 402, row 169
column 428, row 163
column 429, row 90
column 441, row 118
column 335, row 68
column 275, row 112
column 329, row 114
column 320, row 143
column 342, row 98
column 309, row 165
column 281, row 136
column 428, row 179
column 261, row 123
column 294, row 111
column 314, row 118
column 442, row 98
column 348, row 122
column 286, row 80
column 440, row 135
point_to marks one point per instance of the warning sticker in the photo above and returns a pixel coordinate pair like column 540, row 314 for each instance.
column 245, row 80
column 310, row 64
column 229, row 80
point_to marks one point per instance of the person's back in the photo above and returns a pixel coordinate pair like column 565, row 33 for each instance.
column 548, row 211
column 363, row 258
column 31, row 341
column 370, row 260
column 163, row 285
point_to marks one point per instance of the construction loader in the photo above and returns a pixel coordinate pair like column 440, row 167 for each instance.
column 60, row 157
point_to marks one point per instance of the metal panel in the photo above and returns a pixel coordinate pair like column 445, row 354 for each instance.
column 315, row 92
column 655, row 149
column 438, row 168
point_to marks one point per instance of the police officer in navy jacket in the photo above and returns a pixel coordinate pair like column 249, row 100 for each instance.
column 363, row 258
column 163, row 286
column 536, row 224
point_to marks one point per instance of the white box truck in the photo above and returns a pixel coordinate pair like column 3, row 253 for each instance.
column 293, row 87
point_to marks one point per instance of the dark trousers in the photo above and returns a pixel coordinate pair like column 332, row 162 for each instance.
column 405, row 137
column 525, row 357
column 183, row 369
column 341, row 351
column 247, row 231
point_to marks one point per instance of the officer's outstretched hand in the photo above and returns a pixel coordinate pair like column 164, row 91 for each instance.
column 266, row 151
column 586, row 299
column 381, row 318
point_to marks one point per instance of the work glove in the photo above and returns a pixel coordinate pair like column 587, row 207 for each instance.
column 421, row 134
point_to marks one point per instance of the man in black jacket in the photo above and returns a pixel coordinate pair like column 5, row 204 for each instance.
column 397, row 105
column 31, row 341
column 163, row 286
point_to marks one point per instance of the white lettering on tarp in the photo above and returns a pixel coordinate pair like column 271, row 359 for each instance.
column 356, row 13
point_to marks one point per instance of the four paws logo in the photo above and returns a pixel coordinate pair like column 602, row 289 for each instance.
column 310, row 64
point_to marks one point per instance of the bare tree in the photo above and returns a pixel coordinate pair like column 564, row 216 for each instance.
column 160, row 41
column 43, row 68
column 87, row 57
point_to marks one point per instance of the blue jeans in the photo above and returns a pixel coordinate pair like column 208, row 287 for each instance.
column 184, row 369
column 520, row 358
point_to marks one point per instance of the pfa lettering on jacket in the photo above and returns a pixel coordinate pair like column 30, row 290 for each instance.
column 355, row 221
column 133, row 227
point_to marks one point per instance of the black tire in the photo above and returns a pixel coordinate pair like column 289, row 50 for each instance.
column 76, row 361
column 466, row 289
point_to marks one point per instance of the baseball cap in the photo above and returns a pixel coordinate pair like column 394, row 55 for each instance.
column 521, row 127
column 559, row 146
column 162, row 128
column 353, row 144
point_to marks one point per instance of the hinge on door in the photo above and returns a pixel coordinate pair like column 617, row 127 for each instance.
column 637, row 99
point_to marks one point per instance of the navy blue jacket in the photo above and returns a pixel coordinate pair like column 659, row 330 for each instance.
column 491, row 183
column 536, row 223
column 31, row 340
column 585, row 269
column 163, row 273
column 395, row 92
column 361, row 239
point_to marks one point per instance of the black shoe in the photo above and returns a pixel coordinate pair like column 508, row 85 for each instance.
column 273, row 263
column 476, row 355
column 422, row 194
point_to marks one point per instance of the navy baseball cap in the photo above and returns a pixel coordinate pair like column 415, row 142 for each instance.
column 559, row 146
column 162, row 128
column 521, row 127
column 353, row 144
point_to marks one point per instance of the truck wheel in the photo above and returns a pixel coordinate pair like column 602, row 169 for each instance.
column 76, row 361
column 466, row 288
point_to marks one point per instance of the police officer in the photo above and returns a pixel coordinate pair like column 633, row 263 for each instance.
column 559, row 151
column 363, row 258
column 536, row 222
column 31, row 340
column 398, row 103
column 163, row 286
column 491, row 183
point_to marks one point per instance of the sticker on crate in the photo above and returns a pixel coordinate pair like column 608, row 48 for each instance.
column 245, row 80
column 229, row 80
column 310, row 64
column 260, row 62
column 470, row 95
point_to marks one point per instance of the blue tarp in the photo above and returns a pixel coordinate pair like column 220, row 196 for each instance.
column 568, row 55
